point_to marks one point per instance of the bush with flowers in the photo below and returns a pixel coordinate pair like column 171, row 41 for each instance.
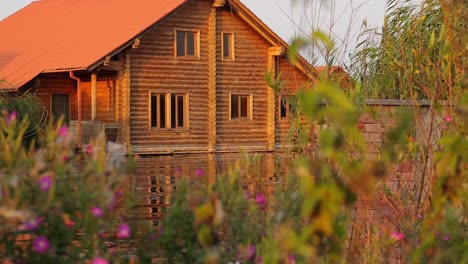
column 57, row 205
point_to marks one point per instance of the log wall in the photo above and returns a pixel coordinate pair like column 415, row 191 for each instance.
column 293, row 79
column 244, row 75
column 154, row 68
column 105, row 106
column 56, row 83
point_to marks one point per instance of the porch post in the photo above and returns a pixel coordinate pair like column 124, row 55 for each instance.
column 93, row 96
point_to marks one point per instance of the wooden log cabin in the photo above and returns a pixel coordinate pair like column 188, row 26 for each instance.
column 160, row 76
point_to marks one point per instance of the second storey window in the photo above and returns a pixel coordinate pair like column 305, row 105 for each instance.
column 241, row 106
column 169, row 110
column 228, row 46
column 187, row 44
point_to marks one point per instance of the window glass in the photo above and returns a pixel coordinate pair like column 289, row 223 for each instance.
column 159, row 110
column 180, row 111
column 186, row 44
column 180, row 41
column 234, row 106
column 244, row 106
column 153, row 111
column 240, row 106
column 162, row 111
column 190, row 44
column 284, row 107
column 226, row 46
column 173, row 110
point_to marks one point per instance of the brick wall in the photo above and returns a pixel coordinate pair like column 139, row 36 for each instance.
column 395, row 201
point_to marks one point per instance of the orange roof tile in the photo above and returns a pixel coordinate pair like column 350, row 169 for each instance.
column 59, row 35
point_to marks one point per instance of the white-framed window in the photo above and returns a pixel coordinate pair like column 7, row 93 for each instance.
column 169, row 110
column 228, row 46
column 240, row 106
column 187, row 44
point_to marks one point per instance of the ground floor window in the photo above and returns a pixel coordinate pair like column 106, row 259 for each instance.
column 169, row 110
column 287, row 105
column 240, row 106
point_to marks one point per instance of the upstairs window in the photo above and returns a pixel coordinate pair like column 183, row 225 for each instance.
column 169, row 110
column 228, row 46
column 187, row 44
column 240, row 106
column 287, row 105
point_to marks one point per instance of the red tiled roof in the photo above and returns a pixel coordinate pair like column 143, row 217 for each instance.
column 58, row 35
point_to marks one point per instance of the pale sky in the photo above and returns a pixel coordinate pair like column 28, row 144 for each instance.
column 291, row 17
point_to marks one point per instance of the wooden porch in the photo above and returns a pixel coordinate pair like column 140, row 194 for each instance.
column 93, row 129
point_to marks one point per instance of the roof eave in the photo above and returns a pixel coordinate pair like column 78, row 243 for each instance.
column 132, row 40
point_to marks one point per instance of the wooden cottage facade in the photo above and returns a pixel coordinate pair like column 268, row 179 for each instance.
column 192, row 81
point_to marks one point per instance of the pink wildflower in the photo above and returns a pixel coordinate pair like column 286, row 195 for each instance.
column 11, row 117
column 398, row 236
column 33, row 223
column 68, row 221
column 446, row 238
column 199, row 172
column 123, row 231
column 260, row 200
column 97, row 211
column 45, row 182
column 41, row 244
column 250, row 252
column 89, row 149
column 99, row 260
column 448, row 119
column 63, row 131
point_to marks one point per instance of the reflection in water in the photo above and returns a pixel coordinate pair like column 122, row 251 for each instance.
column 157, row 176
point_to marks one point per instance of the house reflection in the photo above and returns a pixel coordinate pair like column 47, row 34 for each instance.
column 157, row 177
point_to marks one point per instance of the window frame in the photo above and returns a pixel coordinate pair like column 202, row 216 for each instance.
column 168, row 111
column 249, row 107
column 196, row 47
column 232, row 45
column 288, row 108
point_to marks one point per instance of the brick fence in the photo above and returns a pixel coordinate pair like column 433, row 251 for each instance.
column 405, row 187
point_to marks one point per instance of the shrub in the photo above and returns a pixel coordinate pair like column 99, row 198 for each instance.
column 56, row 205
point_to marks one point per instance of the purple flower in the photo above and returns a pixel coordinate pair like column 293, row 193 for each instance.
column 63, row 131
column 45, row 182
column 33, row 223
column 99, row 260
column 397, row 236
column 199, row 172
column 260, row 200
column 446, row 238
column 97, row 211
column 123, row 231
column 250, row 252
column 41, row 244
